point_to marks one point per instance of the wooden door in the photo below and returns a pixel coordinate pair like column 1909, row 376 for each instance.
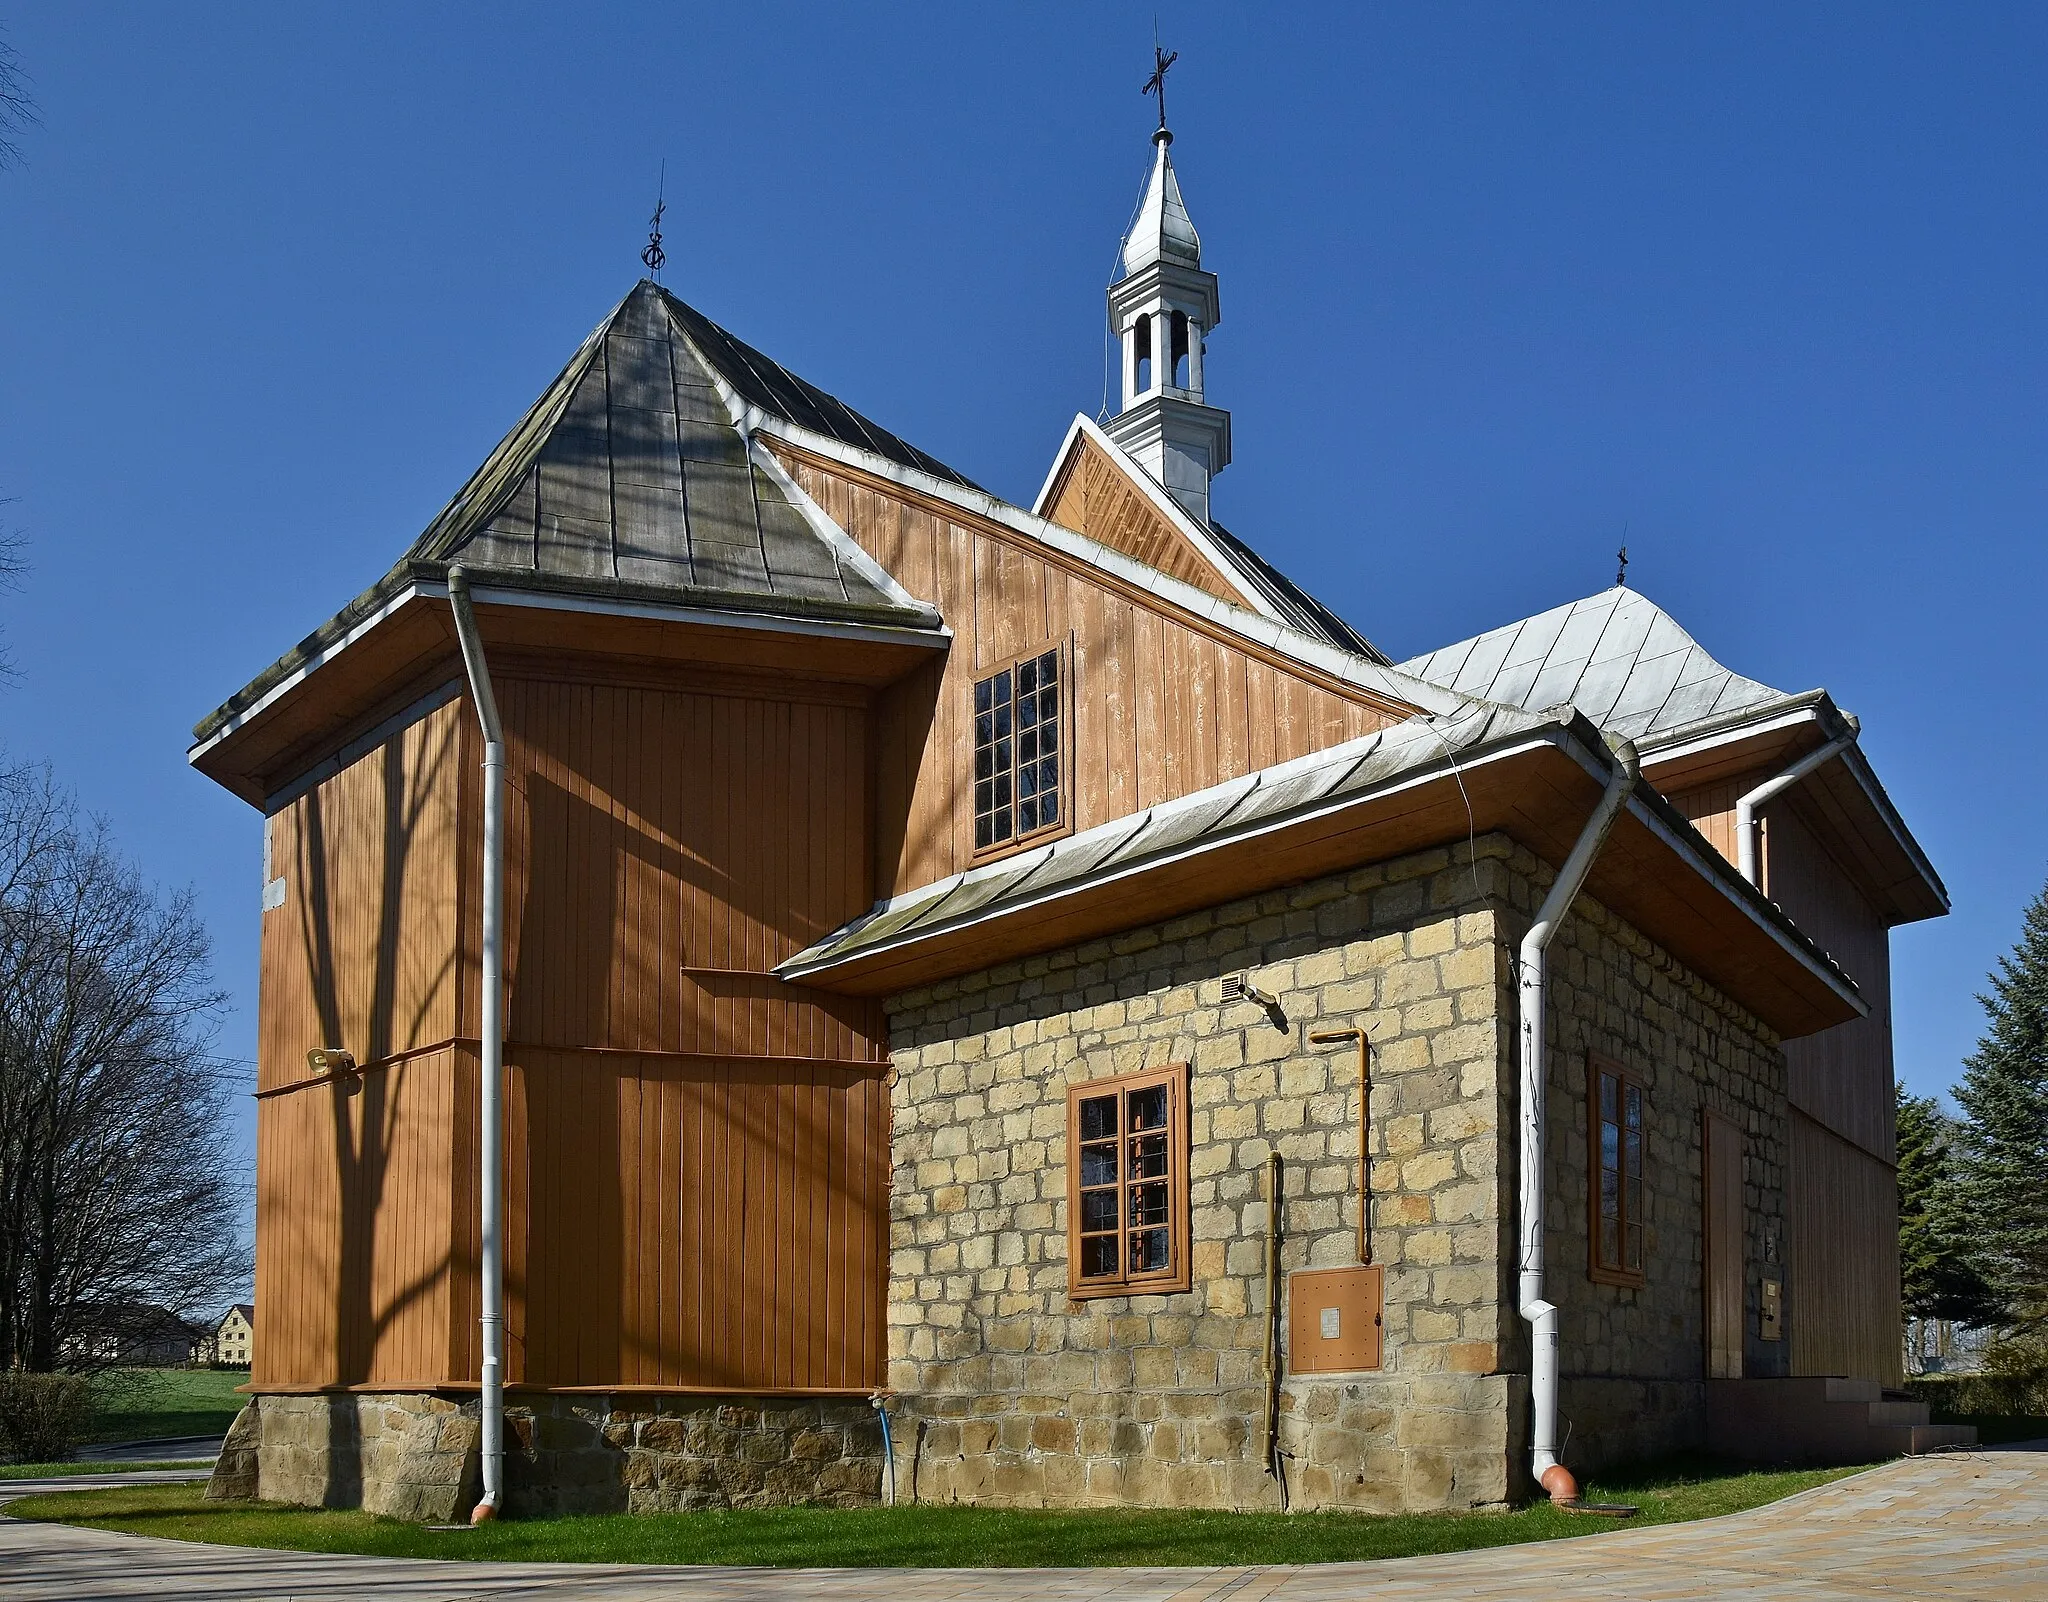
column 1721, row 1244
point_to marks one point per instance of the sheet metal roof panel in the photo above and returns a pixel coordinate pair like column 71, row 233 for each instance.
column 1616, row 656
column 1301, row 609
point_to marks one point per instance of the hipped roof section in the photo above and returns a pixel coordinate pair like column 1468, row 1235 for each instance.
column 630, row 479
column 1617, row 656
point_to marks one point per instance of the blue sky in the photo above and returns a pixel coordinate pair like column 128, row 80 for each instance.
column 1763, row 285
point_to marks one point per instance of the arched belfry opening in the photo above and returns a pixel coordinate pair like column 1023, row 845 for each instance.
column 1161, row 309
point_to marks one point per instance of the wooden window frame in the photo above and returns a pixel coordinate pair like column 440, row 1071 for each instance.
column 1597, row 1068
column 1177, row 1275
column 1064, row 649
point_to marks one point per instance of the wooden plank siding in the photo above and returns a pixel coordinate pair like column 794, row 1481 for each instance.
column 1095, row 497
column 697, row 1153
column 1841, row 1076
column 1843, row 1253
column 1165, row 702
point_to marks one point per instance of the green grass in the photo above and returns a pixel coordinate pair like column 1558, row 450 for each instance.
column 48, row 1471
column 148, row 1404
column 925, row 1537
column 1995, row 1429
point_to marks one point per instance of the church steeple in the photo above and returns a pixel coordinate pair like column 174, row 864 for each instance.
column 1161, row 310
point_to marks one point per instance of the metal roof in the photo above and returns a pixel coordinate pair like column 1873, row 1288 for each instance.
column 1188, row 822
column 1163, row 231
column 631, row 467
column 629, row 480
column 1617, row 656
column 1295, row 605
column 1355, row 773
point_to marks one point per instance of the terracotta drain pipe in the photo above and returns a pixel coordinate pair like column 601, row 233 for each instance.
column 1534, row 977
column 491, row 1111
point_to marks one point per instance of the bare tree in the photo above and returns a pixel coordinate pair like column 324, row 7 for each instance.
column 117, row 1180
column 18, row 111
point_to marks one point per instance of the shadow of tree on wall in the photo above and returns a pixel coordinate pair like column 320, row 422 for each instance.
column 412, row 773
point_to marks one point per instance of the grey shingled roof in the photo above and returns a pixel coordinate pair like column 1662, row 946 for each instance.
column 1617, row 656
column 631, row 468
column 629, row 480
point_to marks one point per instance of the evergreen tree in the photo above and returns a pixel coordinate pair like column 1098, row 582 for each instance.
column 1939, row 1275
column 2004, row 1139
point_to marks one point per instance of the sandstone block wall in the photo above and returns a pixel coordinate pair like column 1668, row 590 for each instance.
column 416, row 1456
column 1014, row 1394
column 1634, row 1367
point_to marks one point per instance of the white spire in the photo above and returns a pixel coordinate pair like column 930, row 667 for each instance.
column 1163, row 231
column 1160, row 313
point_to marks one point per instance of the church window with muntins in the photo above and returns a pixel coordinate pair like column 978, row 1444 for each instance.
column 1127, row 1184
column 1020, row 758
column 1615, row 1204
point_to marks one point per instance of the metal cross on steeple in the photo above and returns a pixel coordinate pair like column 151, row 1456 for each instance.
column 1156, row 84
column 654, row 255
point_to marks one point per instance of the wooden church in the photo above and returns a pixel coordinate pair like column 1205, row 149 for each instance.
column 1027, row 1006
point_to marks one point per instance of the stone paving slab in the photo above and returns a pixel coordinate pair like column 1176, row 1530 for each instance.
column 1962, row 1527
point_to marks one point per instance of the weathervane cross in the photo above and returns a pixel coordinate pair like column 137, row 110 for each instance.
column 654, row 255
column 1156, row 84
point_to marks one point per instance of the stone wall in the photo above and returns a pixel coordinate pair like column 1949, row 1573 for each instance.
column 1633, row 1359
column 1012, row 1393
column 416, row 1456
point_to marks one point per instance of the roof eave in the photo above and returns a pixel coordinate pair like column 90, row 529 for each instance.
column 1571, row 733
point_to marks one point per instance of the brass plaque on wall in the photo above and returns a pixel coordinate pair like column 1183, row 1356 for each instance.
column 1333, row 1319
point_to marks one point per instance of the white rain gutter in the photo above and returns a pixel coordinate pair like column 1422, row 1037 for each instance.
column 491, row 1119
column 1552, row 1475
column 1770, row 789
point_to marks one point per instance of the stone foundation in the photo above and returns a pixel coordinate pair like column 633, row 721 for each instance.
column 1615, row 1421
column 414, row 1456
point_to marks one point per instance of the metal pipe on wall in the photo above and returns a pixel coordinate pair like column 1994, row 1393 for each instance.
column 491, row 1112
column 1331, row 1037
column 1272, row 1419
column 1533, row 978
column 1745, row 809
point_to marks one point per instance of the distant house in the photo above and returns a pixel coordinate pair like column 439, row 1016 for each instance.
column 233, row 1341
column 132, row 1335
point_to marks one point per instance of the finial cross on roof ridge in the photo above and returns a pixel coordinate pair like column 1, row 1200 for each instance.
column 1162, row 61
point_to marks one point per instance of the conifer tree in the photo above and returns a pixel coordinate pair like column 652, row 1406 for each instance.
column 1941, row 1281
column 2004, row 1146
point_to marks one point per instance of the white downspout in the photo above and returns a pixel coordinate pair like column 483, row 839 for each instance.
column 491, row 1116
column 1745, row 809
column 1552, row 1475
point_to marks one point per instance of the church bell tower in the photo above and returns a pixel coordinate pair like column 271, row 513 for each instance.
column 1161, row 310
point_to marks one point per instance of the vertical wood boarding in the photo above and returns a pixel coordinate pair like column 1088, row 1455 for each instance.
column 697, row 1153
column 1158, row 710
column 1722, row 1270
column 1843, row 1250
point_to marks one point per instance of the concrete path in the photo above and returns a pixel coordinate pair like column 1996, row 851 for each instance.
column 1967, row 1527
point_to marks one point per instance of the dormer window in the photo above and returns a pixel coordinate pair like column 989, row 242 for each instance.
column 1020, row 758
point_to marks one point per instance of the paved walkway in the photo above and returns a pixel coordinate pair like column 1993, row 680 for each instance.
column 1968, row 1527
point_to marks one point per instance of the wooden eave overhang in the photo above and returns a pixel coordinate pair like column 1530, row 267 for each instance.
column 1429, row 782
column 1844, row 796
column 392, row 655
